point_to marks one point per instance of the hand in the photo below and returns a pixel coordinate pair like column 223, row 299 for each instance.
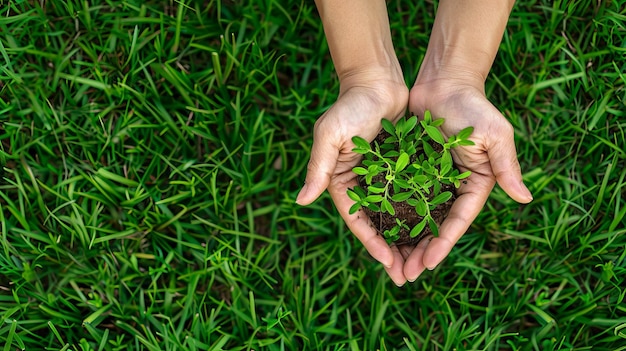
column 357, row 111
column 493, row 159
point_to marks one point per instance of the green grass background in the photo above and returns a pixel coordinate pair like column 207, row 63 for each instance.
column 151, row 152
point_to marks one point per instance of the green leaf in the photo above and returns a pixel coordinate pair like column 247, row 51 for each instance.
column 466, row 143
column 427, row 117
column 409, row 125
column 441, row 198
column 464, row 175
column 412, row 201
column 402, row 183
column 354, row 208
column 420, row 179
column 360, row 191
column 360, row 143
column 433, row 227
column 374, row 198
column 359, row 170
column 375, row 189
column 428, row 150
column 396, row 188
column 402, row 224
column 387, row 207
column 353, row 196
column 369, row 163
column 374, row 207
column 404, row 145
column 374, row 169
column 388, row 142
column 393, row 232
column 465, row 133
column 421, row 208
column 399, row 197
column 427, row 167
column 446, row 163
column 436, row 187
column 402, row 162
column 417, row 230
column 388, row 126
column 411, row 150
column 437, row 122
column 435, row 134
column 391, row 153
column 400, row 127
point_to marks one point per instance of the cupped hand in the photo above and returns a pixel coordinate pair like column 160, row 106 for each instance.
column 492, row 159
column 357, row 111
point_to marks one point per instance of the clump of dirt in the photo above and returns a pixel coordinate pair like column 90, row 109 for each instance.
column 404, row 211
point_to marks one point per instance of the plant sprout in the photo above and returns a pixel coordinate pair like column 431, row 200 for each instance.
column 410, row 166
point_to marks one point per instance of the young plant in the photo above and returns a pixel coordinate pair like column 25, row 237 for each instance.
column 412, row 165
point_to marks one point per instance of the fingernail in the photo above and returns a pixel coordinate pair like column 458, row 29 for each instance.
column 386, row 263
column 431, row 268
column 529, row 195
column 412, row 280
column 527, row 192
column 300, row 194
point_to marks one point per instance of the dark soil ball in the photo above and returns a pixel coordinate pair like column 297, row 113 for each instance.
column 404, row 211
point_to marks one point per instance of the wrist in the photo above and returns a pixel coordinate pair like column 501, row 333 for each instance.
column 372, row 75
column 464, row 41
column 450, row 77
column 359, row 39
column 373, row 55
column 383, row 90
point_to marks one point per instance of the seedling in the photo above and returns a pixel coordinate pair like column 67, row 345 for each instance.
column 412, row 165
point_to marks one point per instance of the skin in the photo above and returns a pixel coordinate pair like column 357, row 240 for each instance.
column 463, row 44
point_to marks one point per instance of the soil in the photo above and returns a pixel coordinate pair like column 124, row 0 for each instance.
column 404, row 211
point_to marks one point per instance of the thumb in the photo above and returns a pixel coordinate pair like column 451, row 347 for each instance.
column 319, row 171
column 506, row 168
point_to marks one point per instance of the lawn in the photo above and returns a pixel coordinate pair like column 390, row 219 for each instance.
column 151, row 152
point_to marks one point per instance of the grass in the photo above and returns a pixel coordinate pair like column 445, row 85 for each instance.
column 151, row 152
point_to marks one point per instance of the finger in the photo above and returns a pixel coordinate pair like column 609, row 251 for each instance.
column 319, row 171
column 358, row 222
column 505, row 166
column 414, row 264
column 472, row 198
column 406, row 250
column 395, row 271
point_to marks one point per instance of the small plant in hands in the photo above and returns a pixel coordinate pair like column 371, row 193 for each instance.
column 407, row 178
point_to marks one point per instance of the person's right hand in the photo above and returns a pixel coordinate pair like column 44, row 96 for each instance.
column 492, row 159
column 361, row 105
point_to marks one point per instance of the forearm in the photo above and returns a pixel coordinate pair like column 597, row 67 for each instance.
column 358, row 36
column 465, row 39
